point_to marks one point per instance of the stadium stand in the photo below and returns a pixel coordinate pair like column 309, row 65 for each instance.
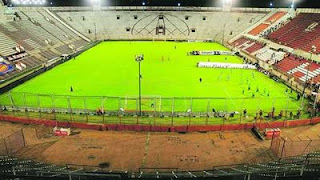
column 48, row 54
column 269, row 55
column 21, row 36
column 40, row 35
column 289, row 62
column 206, row 25
column 257, row 30
column 296, row 166
column 300, row 68
column 248, row 45
column 275, row 17
column 6, row 45
column 267, row 23
column 300, row 33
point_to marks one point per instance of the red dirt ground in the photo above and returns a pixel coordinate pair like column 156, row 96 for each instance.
column 132, row 150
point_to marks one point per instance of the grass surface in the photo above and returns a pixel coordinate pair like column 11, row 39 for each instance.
column 108, row 71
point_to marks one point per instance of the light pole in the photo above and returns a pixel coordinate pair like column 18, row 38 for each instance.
column 293, row 4
column 138, row 59
column 316, row 99
column 313, row 50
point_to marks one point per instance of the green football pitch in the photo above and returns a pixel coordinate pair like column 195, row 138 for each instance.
column 106, row 76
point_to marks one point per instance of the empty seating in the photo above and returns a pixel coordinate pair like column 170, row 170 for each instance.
column 275, row 17
column 289, row 63
column 268, row 55
column 257, row 30
column 263, row 26
column 299, row 68
column 6, row 45
column 106, row 25
column 21, row 36
column 64, row 49
column 300, row 33
column 48, row 54
column 255, row 47
column 247, row 45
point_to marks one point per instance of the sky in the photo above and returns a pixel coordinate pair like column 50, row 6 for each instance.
column 238, row 3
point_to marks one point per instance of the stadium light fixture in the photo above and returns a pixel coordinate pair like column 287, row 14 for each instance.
column 271, row 4
column 143, row 3
column 179, row 4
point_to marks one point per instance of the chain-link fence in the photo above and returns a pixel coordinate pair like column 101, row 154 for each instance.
column 170, row 110
column 13, row 143
column 284, row 147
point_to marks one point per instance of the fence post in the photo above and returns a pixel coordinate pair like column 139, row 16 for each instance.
column 85, row 108
column 241, row 111
column 287, row 107
column 39, row 107
column 190, row 113
column 155, row 109
column 160, row 105
column 283, row 146
column 103, row 110
column 137, row 108
column 24, row 101
column 25, row 105
column 208, row 109
column 24, row 139
column 12, row 102
column 119, row 111
column 172, row 111
column 53, row 107
column 226, row 105
column 70, row 109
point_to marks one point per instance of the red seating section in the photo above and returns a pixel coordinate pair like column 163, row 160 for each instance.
column 312, row 67
column 298, row 74
column 275, row 17
column 254, row 47
column 289, row 63
column 316, row 79
column 300, row 33
column 257, row 30
column 261, row 27
column 247, row 45
column 240, row 41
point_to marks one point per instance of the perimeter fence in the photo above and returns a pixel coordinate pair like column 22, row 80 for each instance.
column 170, row 110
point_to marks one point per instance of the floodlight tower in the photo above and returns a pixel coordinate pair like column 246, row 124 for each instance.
column 313, row 50
column 139, row 59
column 96, row 5
column 227, row 4
column 293, row 4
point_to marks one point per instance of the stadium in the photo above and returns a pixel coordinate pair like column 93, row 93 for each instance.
column 219, row 89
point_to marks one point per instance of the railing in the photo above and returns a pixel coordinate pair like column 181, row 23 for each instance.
column 155, row 110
